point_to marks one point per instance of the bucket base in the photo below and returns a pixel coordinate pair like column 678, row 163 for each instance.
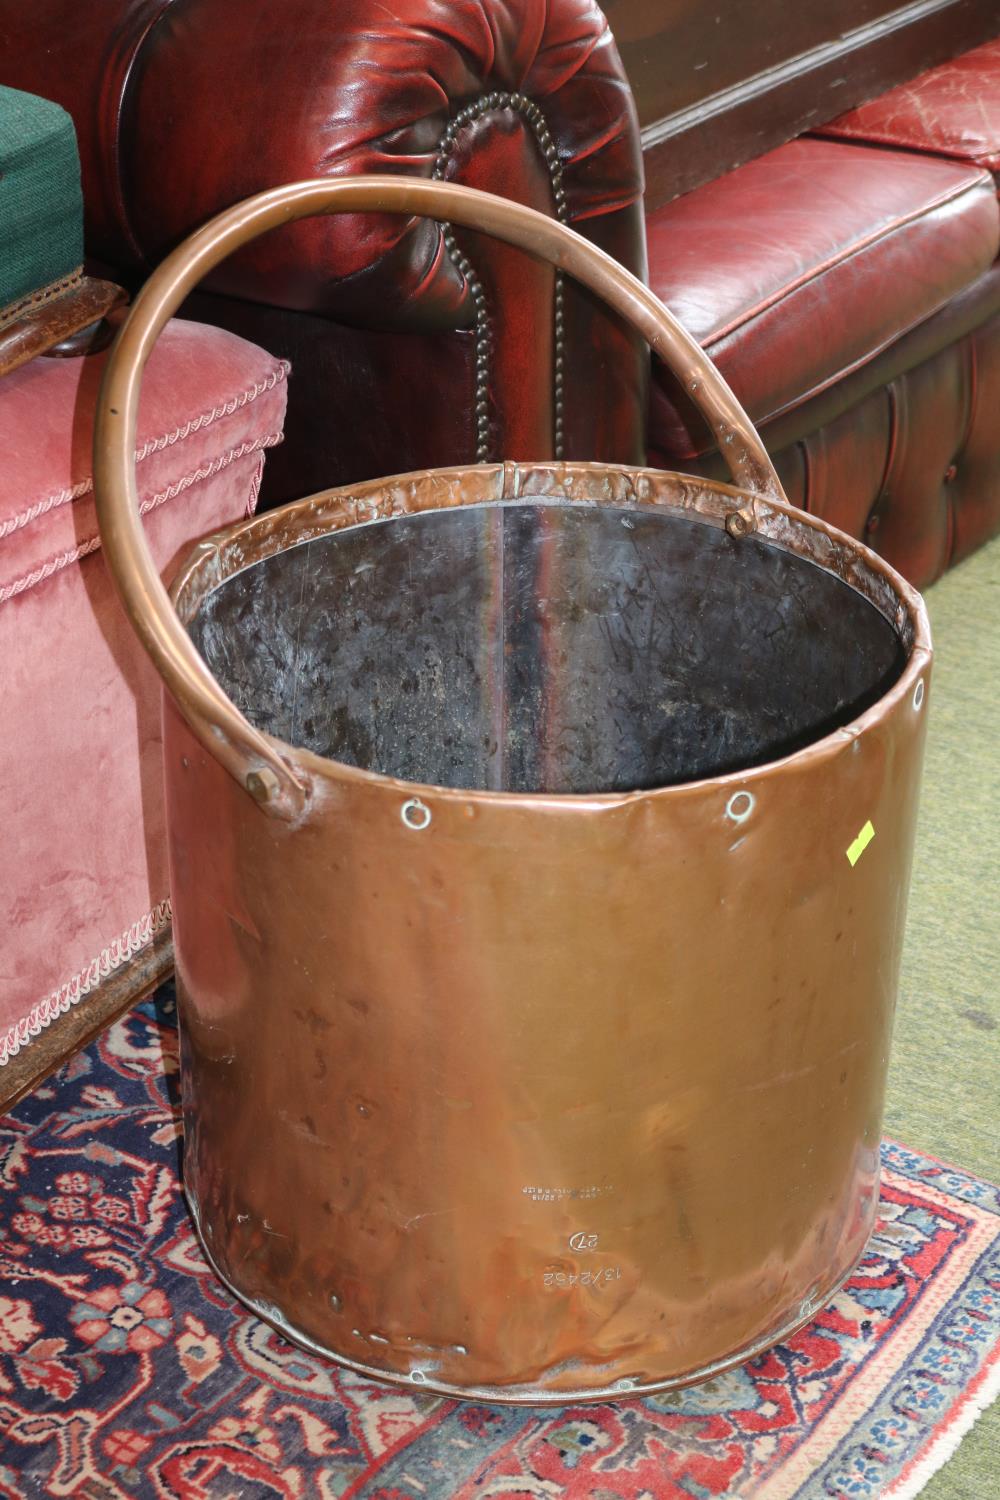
column 618, row 1390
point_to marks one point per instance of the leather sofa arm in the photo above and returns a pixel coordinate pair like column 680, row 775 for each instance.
column 183, row 107
column 202, row 102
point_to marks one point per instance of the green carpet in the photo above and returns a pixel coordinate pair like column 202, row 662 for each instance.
column 944, row 1082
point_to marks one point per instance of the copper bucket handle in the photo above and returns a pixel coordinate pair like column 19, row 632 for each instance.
column 251, row 757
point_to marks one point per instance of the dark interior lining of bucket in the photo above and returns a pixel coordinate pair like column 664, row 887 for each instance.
column 545, row 647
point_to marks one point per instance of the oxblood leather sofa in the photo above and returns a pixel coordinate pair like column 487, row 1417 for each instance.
column 856, row 317
column 845, row 283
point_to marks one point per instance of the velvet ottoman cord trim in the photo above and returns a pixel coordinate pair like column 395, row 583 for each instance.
column 151, row 446
column 93, row 543
column 255, row 484
column 87, row 979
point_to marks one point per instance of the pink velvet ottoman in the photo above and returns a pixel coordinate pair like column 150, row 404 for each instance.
column 84, row 914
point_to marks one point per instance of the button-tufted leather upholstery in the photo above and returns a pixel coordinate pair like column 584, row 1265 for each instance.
column 903, row 453
column 922, row 450
column 914, row 469
column 204, row 102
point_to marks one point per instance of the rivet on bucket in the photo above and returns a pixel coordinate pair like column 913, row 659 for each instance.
column 415, row 814
column 740, row 806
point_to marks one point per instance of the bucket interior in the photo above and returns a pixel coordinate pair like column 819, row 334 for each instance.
column 538, row 646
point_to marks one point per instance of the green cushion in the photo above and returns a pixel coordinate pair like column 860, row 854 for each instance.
column 41, row 206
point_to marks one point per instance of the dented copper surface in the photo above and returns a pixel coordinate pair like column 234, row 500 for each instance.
column 524, row 1095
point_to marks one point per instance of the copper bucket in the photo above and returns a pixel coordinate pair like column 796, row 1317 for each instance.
column 540, row 838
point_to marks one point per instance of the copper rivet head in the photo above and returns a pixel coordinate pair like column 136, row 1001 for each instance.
column 739, row 522
column 262, row 785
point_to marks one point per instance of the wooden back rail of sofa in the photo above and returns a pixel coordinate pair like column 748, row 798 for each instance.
column 717, row 84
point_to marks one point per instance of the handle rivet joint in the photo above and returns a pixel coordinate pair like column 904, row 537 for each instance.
column 740, row 522
column 262, row 785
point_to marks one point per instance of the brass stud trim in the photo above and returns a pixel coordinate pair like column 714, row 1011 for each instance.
column 536, row 121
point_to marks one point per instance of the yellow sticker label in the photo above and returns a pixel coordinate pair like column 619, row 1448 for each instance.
column 864, row 838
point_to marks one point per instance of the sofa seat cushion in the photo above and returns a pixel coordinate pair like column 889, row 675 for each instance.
column 798, row 268
column 952, row 110
column 208, row 399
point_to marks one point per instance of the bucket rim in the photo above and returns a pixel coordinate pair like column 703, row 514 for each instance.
column 234, row 549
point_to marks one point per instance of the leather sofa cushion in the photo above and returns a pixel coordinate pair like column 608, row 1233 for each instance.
column 952, row 110
column 208, row 399
column 798, row 268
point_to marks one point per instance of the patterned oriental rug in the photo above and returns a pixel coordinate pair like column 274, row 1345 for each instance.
column 127, row 1371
